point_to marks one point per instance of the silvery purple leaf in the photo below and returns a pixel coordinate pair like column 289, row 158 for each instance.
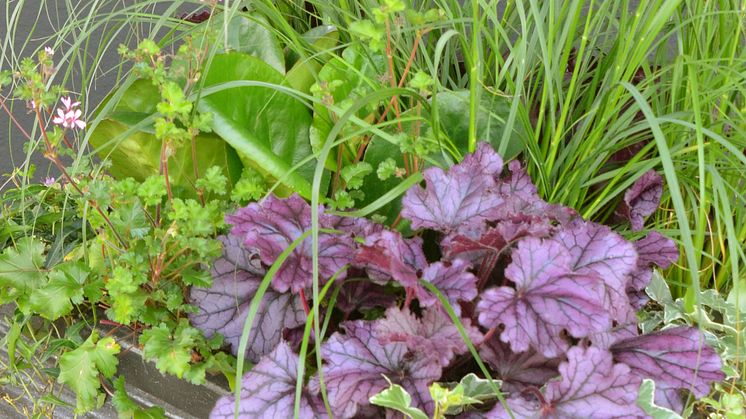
column 590, row 386
column 596, row 250
column 268, row 391
column 362, row 295
column 676, row 359
column 548, row 298
column 622, row 328
column 223, row 307
column 272, row 225
column 483, row 162
column 517, row 182
column 517, row 370
column 433, row 336
column 642, row 199
column 357, row 361
column 451, row 201
column 653, row 250
column 450, row 278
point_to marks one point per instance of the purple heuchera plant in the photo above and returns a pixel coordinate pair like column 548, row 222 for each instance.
column 548, row 299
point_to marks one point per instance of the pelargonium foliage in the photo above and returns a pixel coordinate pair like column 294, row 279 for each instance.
column 548, row 300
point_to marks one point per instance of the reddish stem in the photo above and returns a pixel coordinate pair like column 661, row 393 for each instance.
column 303, row 299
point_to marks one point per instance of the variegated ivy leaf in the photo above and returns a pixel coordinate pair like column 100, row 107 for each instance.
column 223, row 307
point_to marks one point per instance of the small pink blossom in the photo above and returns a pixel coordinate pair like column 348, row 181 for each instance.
column 69, row 117
column 69, row 104
column 48, row 182
column 49, row 51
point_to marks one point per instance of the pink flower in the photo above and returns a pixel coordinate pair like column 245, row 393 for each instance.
column 49, row 51
column 69, row 117
column 69, row 105
column 48, row 182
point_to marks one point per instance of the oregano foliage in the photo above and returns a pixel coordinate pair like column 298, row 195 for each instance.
column 546, row 298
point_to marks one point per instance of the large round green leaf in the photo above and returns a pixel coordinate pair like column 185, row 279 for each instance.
column 268, row 128
column 125, row 138
column 492, row 114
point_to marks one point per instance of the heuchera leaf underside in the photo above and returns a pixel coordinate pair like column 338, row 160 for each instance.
column 590, row 386
column 357, row 361
column 272, row 225
column 223, row 307
column 548, row 299
column 642, row 199
column 676, row 359
column 268, row 391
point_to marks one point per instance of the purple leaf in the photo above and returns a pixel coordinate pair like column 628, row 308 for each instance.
column 483, row 162
column 656, row 249
column 451, row 201
column 517, row 182
column 433, row 336
column 517, row 370
column 357, row 361
column 642, row 199
column 653, row 250
column 272, row 225
column 362, row 295
column 548, row 298
column 268, row 390
column 387, row 255
column 596, row 250
column 450, row 278
column 590, row 386
column 223, row 308
column 675, row 358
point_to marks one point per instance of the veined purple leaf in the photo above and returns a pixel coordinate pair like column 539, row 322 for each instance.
column 596, row 250
column 656, row 249
column 433, row 336
column 642, row 199
column 272, row 225
column 548, row 298
column 357, row 361
column 223, row 307
column 517, row 182
column 676, row 359
column 451, row 201
column 590, row 386
column 653, row 250
column 387, row 255
column 450, row 278
column 484, row 162
column 622, row 329
column 268, row 390
column 517, row 370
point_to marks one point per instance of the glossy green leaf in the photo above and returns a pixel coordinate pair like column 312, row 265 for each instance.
column 303, row 73
column 268, row 128
column 493, row 111
column 126, row 139
column 249, row 34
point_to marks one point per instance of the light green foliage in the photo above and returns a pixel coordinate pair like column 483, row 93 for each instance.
column 369, row 32
column 80, row 369
column 213, row 181
column 355, row 174
column 645, row 400
column 128, row 408
column 64, row 288
column 386, row 169
column 396, row 398
column 21, row 270
column 152, row 190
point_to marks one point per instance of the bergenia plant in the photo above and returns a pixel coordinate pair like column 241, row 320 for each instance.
column 548, row 300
